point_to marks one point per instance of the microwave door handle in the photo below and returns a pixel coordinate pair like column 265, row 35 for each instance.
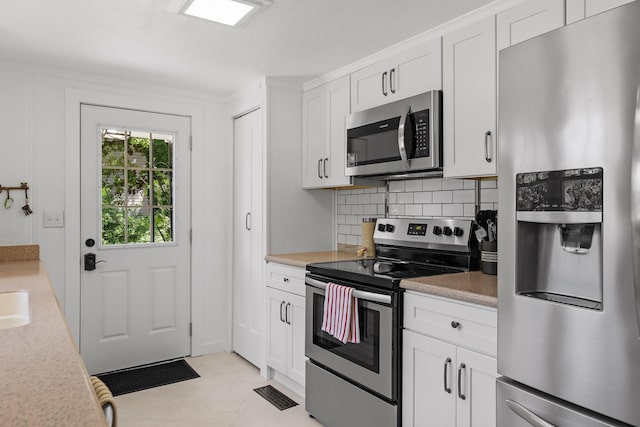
column 635, row 206
column 401, row 143
column 527, row 415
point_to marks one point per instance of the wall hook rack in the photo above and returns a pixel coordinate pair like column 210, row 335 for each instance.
column 8, row 201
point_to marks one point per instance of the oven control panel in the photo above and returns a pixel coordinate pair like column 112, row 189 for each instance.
column 443, row 234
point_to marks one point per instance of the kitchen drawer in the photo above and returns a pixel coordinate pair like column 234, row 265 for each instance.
column 476, row 326
column 286, row 278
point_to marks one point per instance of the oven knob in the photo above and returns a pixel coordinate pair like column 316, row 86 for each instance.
column 457, row 231
column 390, row 228
column 437, row 230
column 381, row 227
column 448, row 231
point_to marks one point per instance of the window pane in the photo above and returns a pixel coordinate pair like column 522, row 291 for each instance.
column 162, row 186
column 138, row 187
column 112, row 147
column 138, row 151
column 162, row 224
column 113, row 187
column 162, row 151
column 139, row 226
column 113, row 226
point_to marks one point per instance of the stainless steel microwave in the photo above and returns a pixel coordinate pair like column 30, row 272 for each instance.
column 398, row 138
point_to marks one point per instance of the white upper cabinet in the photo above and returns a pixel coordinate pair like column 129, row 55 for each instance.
column 404, row 74
column 324, row 135
column 580, row 9
column 529, row 20
column 469, row 104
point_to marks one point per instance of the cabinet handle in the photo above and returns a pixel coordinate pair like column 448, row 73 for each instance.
column 391, row 73
column 286, row 313
column 384, row 89
column 281, row 316
column 247, row 221
column 319, row 172
column 446, row 387
column 460, row 368
column 285, row 280
column 326, row 159
column 486, row 146
column 455, row 324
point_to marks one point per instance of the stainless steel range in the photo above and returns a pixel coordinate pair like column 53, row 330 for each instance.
column 359, row 384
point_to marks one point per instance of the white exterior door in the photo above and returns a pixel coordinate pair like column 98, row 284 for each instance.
column 135, row 218
column 248, row 257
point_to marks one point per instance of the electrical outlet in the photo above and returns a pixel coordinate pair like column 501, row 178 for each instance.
column 53, row 219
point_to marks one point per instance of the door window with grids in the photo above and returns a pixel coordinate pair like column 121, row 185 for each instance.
column 137, row 187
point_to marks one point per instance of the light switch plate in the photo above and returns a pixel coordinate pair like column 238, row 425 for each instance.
column 53, row 219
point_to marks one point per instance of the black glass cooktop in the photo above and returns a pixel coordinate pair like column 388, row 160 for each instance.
column 387, row 274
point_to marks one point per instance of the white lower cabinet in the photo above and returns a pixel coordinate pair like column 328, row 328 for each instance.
column 448, row 381
column 285, row 332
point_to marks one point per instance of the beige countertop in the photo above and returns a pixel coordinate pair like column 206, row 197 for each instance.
column 301, row 259
column 43, row 380
column 474, row 286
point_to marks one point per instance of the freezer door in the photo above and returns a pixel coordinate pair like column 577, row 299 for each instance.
column 520, row 406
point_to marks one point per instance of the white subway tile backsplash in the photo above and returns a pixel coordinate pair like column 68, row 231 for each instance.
column 452, row 184
column 489, row 183
column 469, row 184
column 413, row 210
column 423, row 197
column 489, row 195
column 413, row 185
column 405, row 198
column 432, row 209
column 432, row 184
column 396, row 186
column 376, row 198
column 469, row 210
column 396, row 209
column 464, row 196
column 442, row 197
column 427, row 198
column 453, row 210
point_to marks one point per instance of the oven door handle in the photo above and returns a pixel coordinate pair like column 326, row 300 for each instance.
column 363, row 295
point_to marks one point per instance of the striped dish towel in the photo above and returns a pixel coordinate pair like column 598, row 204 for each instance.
column 340, row 318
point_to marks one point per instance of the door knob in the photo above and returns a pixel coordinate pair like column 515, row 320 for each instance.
column 90, row 262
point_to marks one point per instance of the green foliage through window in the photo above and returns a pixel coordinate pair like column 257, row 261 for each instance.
column 137, row 187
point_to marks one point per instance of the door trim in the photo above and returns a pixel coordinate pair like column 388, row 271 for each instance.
column 73, row 99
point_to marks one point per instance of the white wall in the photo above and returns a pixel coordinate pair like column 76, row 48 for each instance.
column 33, row 121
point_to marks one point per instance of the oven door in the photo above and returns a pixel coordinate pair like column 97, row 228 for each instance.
column 370, row 363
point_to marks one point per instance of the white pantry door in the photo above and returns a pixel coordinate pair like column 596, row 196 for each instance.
column 135, row 217
column 248, row 258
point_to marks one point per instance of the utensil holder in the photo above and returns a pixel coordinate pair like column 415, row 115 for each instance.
column 368, row 227
column 489, row 257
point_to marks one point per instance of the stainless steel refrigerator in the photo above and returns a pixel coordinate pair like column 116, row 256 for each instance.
column 569, row 190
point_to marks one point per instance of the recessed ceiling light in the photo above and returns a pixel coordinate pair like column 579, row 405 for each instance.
column 228, row 12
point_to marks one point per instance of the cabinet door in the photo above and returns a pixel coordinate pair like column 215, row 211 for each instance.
column 528, row 20
column 580, row 9
column 337, row 109
column 416, row 70
column 370, row 86
column 313, row 137
column 276, row 330
column 469, row 85
column 478, row 386
column 295, row 347
column 428, row 366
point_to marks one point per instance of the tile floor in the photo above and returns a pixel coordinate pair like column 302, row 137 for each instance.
column 223, row 396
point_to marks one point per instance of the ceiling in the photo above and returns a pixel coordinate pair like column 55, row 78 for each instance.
column 140, row 40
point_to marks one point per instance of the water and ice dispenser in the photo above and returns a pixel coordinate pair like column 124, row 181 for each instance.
column 559, row 236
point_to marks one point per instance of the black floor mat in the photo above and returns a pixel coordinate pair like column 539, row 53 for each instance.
column 275, row 397
column 144, row 377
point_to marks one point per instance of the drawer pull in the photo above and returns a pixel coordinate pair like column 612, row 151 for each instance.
column 286, row 279
column 454, row 324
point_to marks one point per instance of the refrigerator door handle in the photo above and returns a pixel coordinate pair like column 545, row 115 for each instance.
column 527, row 415
column 635, row 207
